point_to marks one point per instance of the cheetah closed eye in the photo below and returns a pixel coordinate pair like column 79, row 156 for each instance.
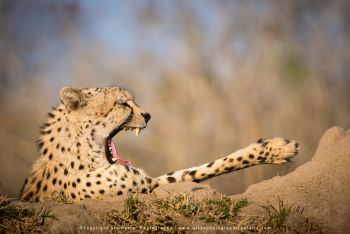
column 79, row 160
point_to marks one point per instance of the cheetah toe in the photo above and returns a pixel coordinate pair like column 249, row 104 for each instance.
column 281, row 150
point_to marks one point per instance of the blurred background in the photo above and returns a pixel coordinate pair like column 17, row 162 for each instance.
column 215, row 75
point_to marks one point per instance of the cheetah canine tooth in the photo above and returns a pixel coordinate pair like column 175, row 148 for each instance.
column 137, row 131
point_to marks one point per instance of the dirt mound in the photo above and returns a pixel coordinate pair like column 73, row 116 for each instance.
column 317, row 192
column 321, row 186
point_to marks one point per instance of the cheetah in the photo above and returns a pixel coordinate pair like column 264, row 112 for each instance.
column 79, row 160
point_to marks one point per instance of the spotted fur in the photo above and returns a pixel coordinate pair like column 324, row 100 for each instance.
column 74, row 160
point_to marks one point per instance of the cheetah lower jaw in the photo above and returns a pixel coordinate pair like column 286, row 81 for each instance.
column 115, row 156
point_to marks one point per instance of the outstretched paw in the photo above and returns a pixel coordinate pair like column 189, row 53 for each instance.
column 277, row 150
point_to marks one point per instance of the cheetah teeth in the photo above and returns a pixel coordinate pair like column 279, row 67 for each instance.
column 137, row 131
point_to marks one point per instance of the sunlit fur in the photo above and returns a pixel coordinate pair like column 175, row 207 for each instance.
column 73, row 162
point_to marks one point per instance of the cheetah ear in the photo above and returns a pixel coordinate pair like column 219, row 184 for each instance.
column 72, row 98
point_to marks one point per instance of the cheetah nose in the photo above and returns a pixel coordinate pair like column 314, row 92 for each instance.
column 147, row 116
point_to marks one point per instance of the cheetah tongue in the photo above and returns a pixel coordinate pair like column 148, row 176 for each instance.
column 116, row 157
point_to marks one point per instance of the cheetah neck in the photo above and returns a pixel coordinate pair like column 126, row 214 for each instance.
column 62, row 140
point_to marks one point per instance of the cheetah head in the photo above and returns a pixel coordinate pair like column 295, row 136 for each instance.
column 100, row 113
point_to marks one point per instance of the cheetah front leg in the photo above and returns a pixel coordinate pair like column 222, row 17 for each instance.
column 271, row 151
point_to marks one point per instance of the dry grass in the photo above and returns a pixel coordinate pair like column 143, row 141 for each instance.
column 283, row 218
column 169, row 216
column 21, row 220
column 176, row 214
column 280, row 218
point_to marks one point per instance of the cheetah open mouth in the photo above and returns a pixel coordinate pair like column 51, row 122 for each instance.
column 111, row 150
column 113, row 155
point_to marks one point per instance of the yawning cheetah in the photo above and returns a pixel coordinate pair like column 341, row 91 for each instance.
column 78, row 158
